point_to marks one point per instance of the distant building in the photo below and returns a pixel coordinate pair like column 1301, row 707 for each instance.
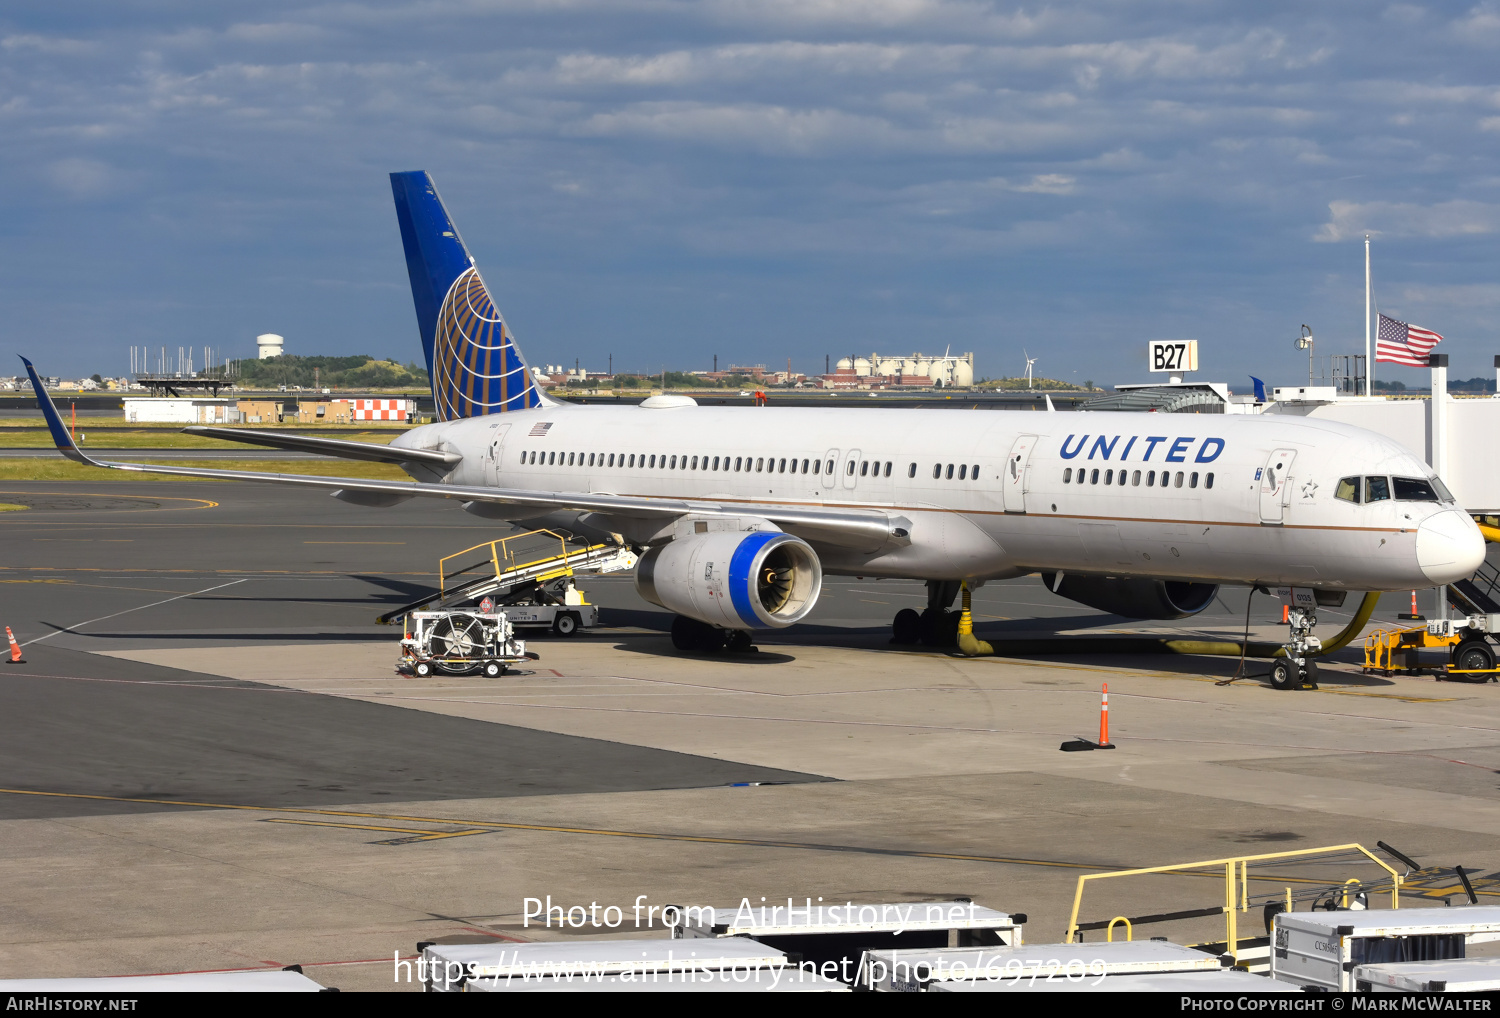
column 270, row 345
column 879, row 371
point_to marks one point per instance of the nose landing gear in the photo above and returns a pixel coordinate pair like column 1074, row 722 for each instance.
column 1297, row 670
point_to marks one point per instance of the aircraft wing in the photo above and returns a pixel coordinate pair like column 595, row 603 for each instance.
column 867, row 530
column 344, row 449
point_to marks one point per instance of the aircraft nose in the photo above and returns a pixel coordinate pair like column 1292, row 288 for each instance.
column 1449, row 546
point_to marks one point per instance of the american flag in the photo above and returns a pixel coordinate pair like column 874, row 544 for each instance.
column 1400, row 343
column 540, row 430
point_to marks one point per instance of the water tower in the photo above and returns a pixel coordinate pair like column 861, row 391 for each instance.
column 269, row 344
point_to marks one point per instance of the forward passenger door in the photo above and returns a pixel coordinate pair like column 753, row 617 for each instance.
column 1275, row 482
column 1013, row 477
column 492, row 456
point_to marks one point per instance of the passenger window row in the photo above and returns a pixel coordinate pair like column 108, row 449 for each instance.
column 1134, row 478
column 945, row 472
column 1382, row 489
column 731, row 464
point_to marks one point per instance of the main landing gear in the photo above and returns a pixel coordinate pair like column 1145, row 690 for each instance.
column 692, row 635
column 1297, row 670
column 935, row 627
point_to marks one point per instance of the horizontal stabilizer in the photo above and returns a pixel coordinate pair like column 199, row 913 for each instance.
column 342, row 448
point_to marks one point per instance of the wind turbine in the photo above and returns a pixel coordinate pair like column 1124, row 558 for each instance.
column 1030, row 360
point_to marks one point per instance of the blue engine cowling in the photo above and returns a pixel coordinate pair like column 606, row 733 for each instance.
column 757, row 580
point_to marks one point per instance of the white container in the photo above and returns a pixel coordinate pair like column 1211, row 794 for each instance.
column 1457, row 975
column 769, row 980
column 1322, row 948
column 250, row 981
column 1223, row 981
column 450, row 966
column 832, row 937
column 810, row 918
column 912, row 971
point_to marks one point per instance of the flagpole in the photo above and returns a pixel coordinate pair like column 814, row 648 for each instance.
column 1368, row 365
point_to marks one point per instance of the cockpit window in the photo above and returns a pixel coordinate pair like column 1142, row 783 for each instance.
column 1442, row 489
column 1377, row 489
column 1348, row 489
column 1414, row 489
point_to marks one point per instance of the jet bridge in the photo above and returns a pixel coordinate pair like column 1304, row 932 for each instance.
column 528, row 575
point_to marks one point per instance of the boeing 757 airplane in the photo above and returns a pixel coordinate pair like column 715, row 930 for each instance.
column 737, row 512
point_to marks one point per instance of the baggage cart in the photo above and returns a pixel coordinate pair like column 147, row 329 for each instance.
column 833, row 936
column 1222, row 981
column 448, row 967
column 911, row 971
column 1322, row 949
column 1456, row 975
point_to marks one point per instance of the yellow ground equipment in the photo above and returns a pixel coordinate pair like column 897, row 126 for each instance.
column 1275, row 874
column 1471, row 657
column 527, row 576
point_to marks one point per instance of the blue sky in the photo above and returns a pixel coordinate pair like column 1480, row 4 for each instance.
column 668, row 181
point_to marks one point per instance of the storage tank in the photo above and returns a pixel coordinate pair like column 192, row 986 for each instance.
column 269, row 344
column 862, row 366
column 963, row 373
column 889, row 366
column 844, row 364
column 922, row 368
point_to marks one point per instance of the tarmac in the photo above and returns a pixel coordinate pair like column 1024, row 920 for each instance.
column 208, row 761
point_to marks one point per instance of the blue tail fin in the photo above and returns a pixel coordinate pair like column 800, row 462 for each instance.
column 475, row 365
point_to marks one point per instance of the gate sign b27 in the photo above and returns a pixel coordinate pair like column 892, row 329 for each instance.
column 1172, row 355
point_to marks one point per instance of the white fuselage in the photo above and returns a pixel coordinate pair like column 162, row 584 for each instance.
column 1223, row 498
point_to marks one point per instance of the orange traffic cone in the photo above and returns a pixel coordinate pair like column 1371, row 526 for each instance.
column 1082, row 745
column 1104, row 742
column 15, row 649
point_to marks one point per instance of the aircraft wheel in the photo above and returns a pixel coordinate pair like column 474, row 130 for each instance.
column 686, row 633
column 1283, row 674
column 1473, row 655
column 739, row 642
column 493, row 669
column 939, row 627
column 1310, row 674
column 906, row 628
column 711, row 640
column 422, row 669
column 565, row 624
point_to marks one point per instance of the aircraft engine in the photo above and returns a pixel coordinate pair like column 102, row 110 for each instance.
column 756, row 580
column 1134, row 599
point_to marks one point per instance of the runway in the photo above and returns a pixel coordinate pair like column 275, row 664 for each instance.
column 210, row 649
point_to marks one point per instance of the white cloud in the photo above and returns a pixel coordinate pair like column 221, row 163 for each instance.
column 81, row 178
column 1349, row 220
column 1049, row 183
column 1465, row 295
column 49, row 44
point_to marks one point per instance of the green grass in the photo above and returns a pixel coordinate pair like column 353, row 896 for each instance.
column 171, row 437
column 55, row 468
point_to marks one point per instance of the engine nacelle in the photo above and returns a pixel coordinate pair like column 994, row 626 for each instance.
column 755, row 580
column 1135, row 599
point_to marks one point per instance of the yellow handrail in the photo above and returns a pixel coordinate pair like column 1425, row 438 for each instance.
column 1236, row 868
column 1109, row 932
column 503, row 556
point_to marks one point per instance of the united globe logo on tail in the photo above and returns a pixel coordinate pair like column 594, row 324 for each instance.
column 476, row 369
column 475, row 365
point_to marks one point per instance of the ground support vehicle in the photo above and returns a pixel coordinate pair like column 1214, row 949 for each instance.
column 527, row 576
column 460, row 643
column 1471, row 655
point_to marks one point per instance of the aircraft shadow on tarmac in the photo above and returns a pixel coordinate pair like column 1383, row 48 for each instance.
column 232, row 636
